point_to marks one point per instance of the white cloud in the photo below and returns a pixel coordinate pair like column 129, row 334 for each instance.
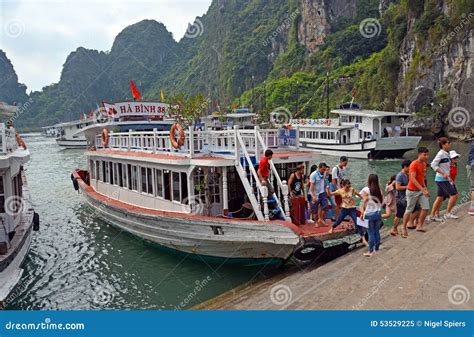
column 38, row 35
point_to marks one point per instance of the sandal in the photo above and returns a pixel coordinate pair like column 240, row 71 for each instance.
column 411, row 227
column 404, row 234
column 421, row 230
column 392, row 233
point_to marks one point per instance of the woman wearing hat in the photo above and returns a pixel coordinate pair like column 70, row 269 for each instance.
column 453, row 170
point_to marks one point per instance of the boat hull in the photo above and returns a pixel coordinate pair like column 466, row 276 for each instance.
column 72, row 144
column 246, row 242
column 388, row 147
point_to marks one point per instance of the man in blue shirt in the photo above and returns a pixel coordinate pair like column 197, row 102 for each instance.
column 318, row 189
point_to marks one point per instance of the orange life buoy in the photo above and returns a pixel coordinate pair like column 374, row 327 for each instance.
column 177, row 143
column 105, row 137
column 20, row 141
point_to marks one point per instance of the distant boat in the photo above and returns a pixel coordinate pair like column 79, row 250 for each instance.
column 357, row 133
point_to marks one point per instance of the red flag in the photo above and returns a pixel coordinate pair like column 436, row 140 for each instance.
column 135, row 93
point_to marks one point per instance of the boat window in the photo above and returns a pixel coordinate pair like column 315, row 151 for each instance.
column 184, row 187
column 106, row 172
column 124, row 175
column 129, row 176
column 316, row 135
column 159, row 182
column 111, row 173
column 144, row 180
column 324, row 135
column 135, row 178
column 361, row 134
column 92, row 168
column 331, row 135
column 119, row 175
column 2, row 196
column 389, row 119
column 358, row 119
column 116, row 174
column 149, row 181
column 97, row 170
column 176, row 187
column 167, row 184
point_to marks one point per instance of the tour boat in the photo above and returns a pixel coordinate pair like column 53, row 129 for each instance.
column 357, row 133
column 198, row 193
column 242, row 117
column 18, row 217
column 70, row 134
column 50, row 131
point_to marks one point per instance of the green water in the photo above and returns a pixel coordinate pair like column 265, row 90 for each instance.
column 80, row 262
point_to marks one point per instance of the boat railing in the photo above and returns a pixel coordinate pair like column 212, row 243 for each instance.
column 7, row 139
column 195, row 143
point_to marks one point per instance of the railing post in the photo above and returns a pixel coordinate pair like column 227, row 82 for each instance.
column 284, row 190
column 191, row 140
column 225, row 191
column 257, row 143
column 154, row 140
column 264, row 191
column 236, row 140
column 129, row 147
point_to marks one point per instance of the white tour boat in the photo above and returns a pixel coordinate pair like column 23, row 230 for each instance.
column 242, row 117
column 357, row 133
column 70, row 134
column 16, row 210
column 199, row 193
column 50, row 131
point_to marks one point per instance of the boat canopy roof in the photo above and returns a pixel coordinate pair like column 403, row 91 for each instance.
column 369, row 113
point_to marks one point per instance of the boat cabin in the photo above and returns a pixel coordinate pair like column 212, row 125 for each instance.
column 244, row 118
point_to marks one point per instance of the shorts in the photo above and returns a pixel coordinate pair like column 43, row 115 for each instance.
column 402, row 206
column 414, row 197
column 446, row 189
column 322, row 201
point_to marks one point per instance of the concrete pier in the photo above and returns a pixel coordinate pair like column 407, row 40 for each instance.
column 426, row 271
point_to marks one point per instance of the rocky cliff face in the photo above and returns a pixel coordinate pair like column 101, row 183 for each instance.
column 316, row 18
column 436, row 71
column 10, row 90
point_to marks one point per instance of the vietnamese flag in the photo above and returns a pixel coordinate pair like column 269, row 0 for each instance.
column 135, row 93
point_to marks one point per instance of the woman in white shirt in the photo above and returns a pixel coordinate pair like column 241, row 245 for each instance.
column 372, row 211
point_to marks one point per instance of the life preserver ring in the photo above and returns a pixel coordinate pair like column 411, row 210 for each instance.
column 105, row 137
column 328, row 122
column 177, row 143
column 20, row 141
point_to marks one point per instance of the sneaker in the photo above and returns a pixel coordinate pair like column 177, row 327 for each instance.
column 471, row 211
column 436, row 219
column 451, row 216
column 311, row 222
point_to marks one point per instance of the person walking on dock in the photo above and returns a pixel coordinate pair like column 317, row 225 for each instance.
column 318, row 189
column 339, row 173
column 441, row 164
column 372, row 211
column 470, row 173
column 348, row 208
column 417, row 191
column 401, row 185
column 264, row 171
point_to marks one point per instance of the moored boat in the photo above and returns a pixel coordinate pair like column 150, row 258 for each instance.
column 198, row 193
column 357, row 133
column 16, row 210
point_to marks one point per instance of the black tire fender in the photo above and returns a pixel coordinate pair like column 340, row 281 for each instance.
column 308, row 249
column 36, row 222
column 75, row 183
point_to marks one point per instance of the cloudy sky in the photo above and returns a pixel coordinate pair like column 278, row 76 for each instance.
column 37, row 35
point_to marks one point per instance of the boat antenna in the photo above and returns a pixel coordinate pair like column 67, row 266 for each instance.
column 327, row 95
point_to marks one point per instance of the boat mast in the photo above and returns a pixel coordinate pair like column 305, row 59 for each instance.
column 327, row 95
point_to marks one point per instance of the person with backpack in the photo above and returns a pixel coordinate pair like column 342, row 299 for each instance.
column 339, row 173
column 372, row 211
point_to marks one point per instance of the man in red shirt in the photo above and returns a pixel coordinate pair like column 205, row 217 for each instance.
column 264, row 171
column 417, row 192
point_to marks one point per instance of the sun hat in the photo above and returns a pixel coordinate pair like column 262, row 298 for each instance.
column 453, row 154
